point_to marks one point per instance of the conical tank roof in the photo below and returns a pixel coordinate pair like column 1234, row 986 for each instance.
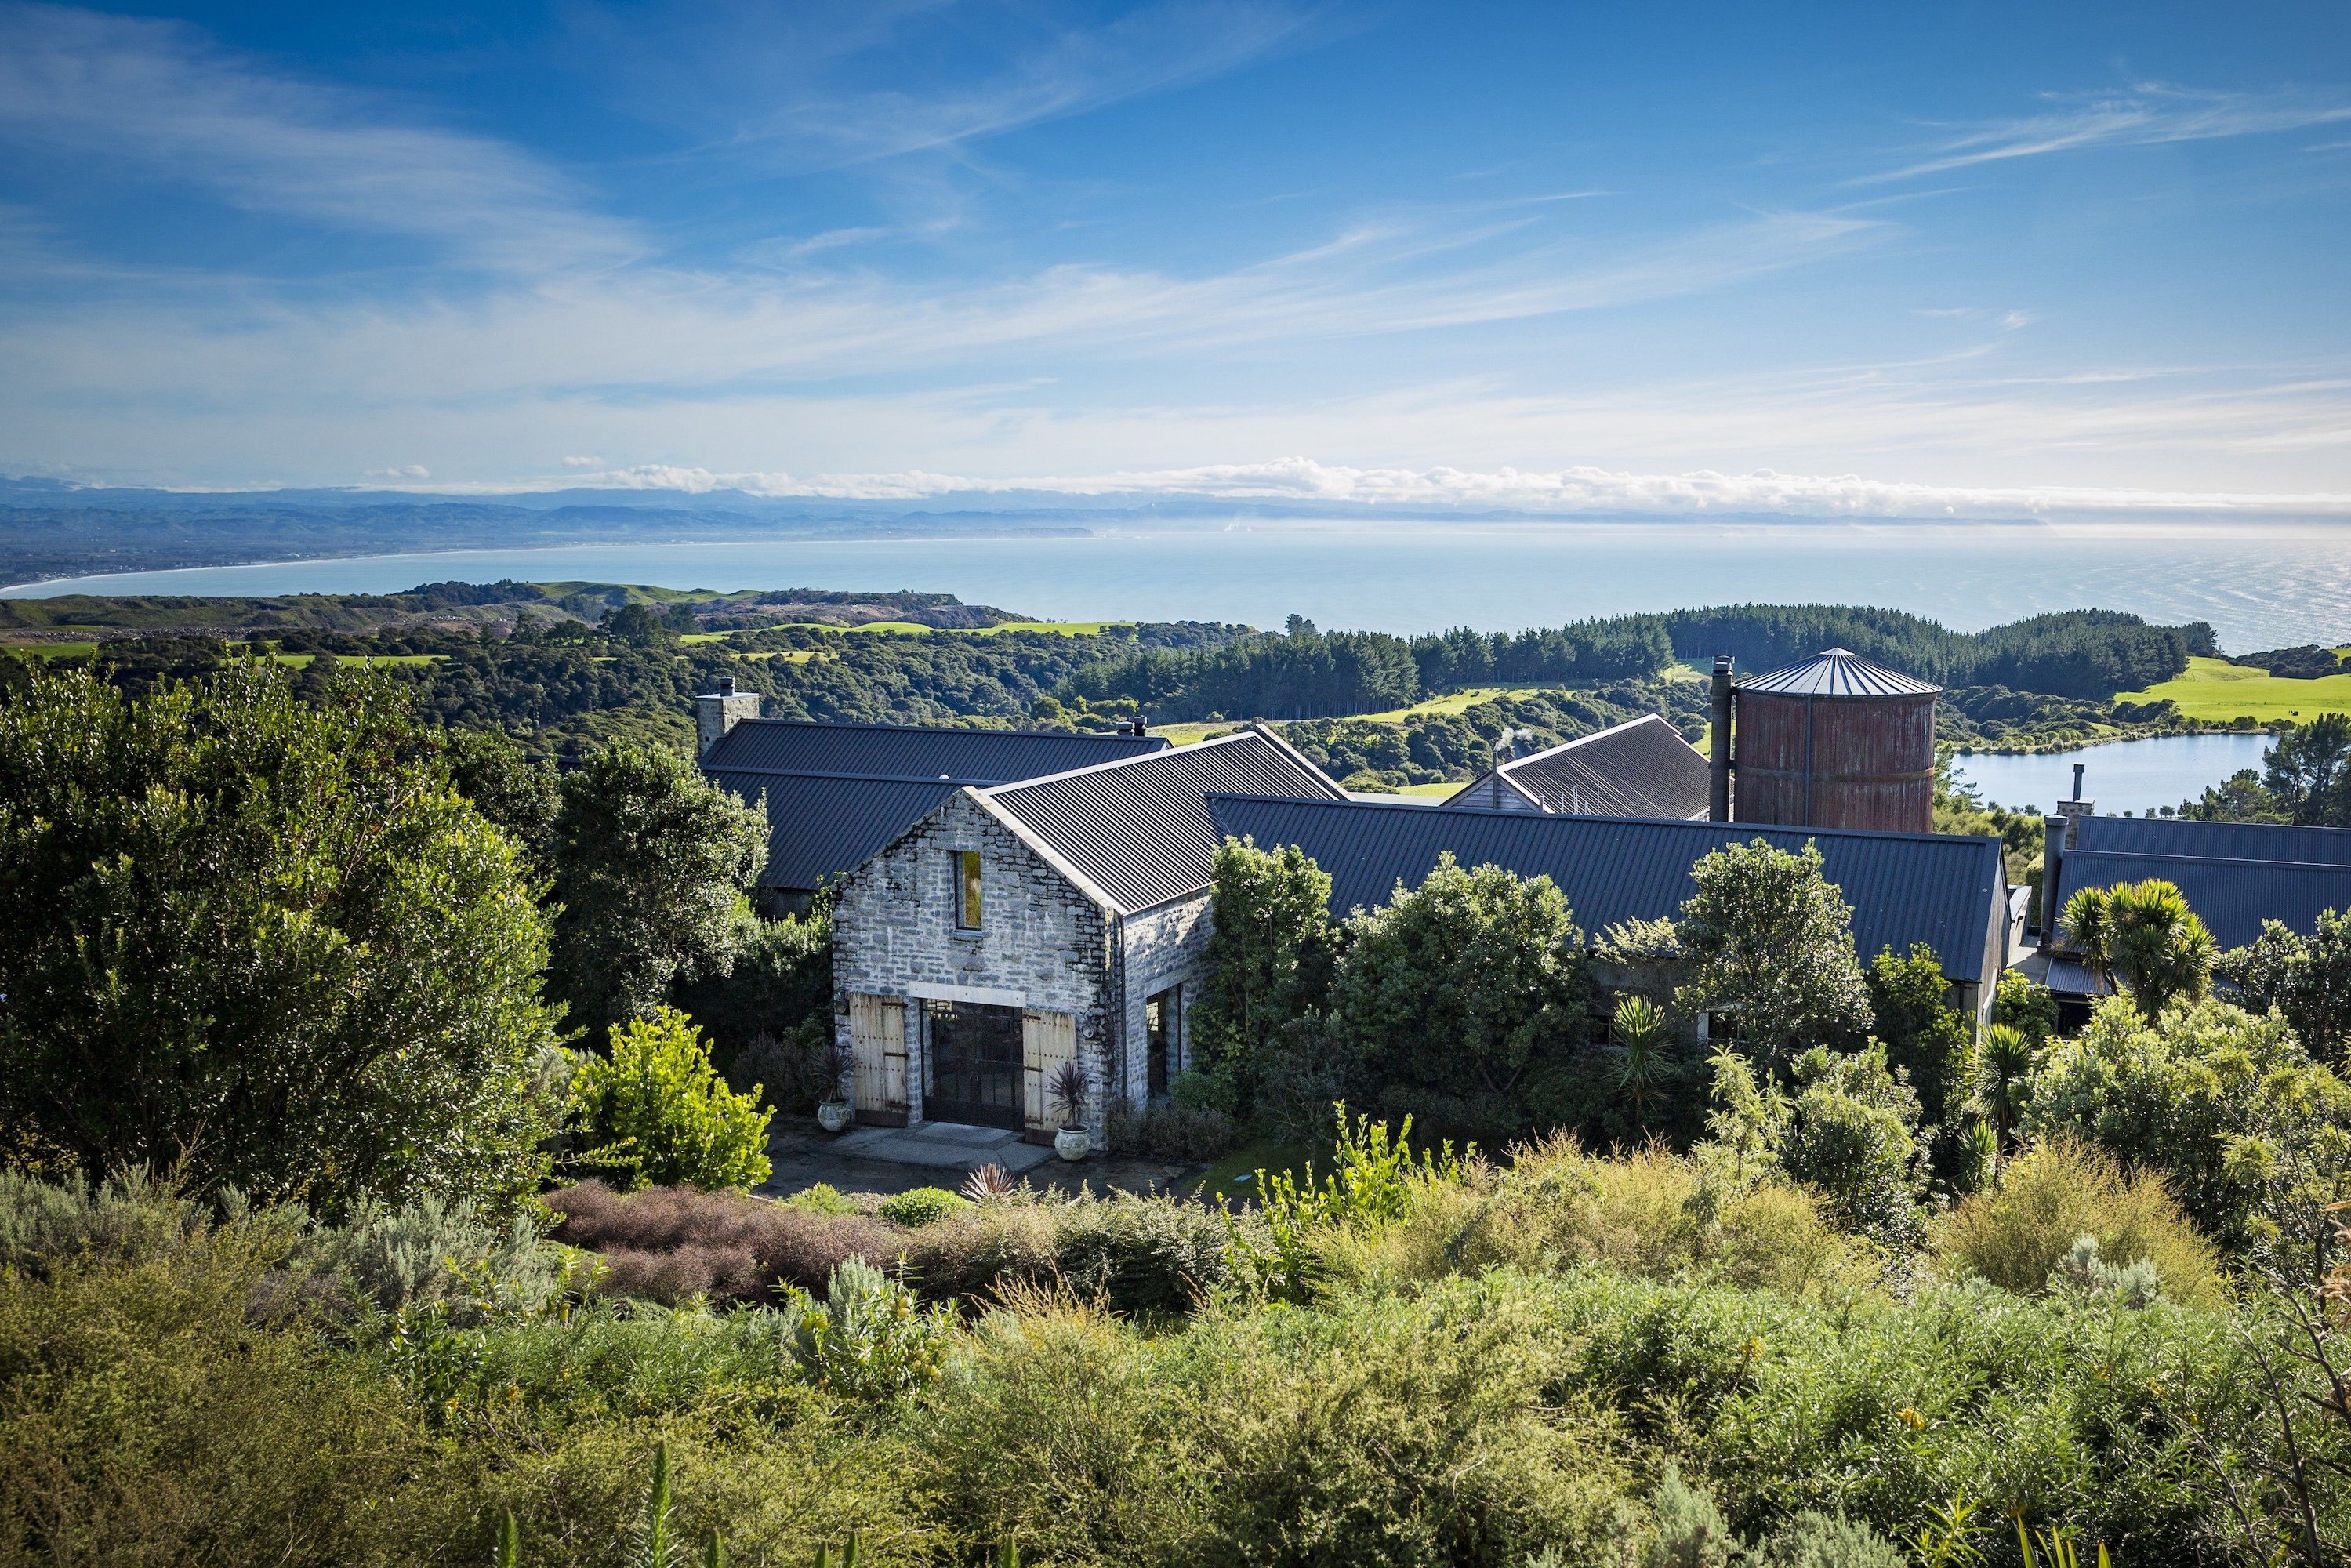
column 1839, row 673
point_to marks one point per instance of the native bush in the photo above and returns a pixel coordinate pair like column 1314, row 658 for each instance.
column 2146, row 936
column 1770, row 943
column 1928, row 1040
column 920, row 1206
column 2306, row 978
column 144, row 1418
column 1386, row 1429
column 1130, row 1254
column 1851, row 1134
column 869, row 1339
column 297, row 962
column 822, row 1198
column 2068, row 1409
column 1171, row 1131
column 777, row 984
column 656, row 1111
column 1271, row 948
column 2015, row 1234
column 429, row 1253
column 1652, row 1214
column 130, row 1214
column 1462, row 991
column 2253, row 1138
column 652, row 863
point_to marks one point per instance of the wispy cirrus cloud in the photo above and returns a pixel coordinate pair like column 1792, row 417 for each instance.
column 161, row 100
column 832, row 85
column 2147, row 115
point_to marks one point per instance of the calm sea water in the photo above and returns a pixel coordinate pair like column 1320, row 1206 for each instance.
column 2261, row 586
column 2124, row 776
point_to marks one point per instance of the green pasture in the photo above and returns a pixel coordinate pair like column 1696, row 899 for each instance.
column 2214, row 691
column 368, row 661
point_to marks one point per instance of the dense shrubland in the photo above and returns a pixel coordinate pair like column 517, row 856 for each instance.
column 1840, row 1281
column 1412, row 1361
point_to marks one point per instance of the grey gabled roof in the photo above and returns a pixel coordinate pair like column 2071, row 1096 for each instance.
column 821, row 828
column 838, row 793
column 1139, row 830
column 2233, row 896
column 2215, row 840
column 914, row 751
column 1642, row 767
column 1904, row 887
column 1839, row 673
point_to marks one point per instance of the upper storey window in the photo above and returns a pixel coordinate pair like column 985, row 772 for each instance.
column 967, row 904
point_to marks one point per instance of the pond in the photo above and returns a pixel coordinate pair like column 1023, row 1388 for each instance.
column 2122, row 776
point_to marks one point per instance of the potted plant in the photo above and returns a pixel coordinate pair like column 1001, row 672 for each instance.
column 1068, row 1092
column 834, row 1110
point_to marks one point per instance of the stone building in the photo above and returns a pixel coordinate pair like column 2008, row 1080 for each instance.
column 836, row 793
column 1017, row 927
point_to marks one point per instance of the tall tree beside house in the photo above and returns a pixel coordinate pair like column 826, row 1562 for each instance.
column 1770, row 941
column 262, row 942
column 653, row 863
column 2143, row 936
column 519, row 796
column 1269, row 956
column 1462, row 994
column 1926, row 1040
column 2308, row 772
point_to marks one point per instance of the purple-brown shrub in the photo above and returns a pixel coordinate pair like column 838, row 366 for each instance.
column 668, row 1243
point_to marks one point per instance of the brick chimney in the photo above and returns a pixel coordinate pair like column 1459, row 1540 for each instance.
column 715, row 713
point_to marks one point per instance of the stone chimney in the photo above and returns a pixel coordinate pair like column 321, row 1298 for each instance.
column 715, row 713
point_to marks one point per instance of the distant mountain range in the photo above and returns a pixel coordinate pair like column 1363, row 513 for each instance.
column 50, row 530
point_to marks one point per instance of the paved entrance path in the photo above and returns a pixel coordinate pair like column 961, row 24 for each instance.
column 941, row 1154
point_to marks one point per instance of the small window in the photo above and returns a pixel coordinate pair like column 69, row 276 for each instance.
column 967, row 908
column 1158, row 1036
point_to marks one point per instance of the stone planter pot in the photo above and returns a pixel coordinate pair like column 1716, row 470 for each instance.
column 1072, row 1144
column 835, row 1115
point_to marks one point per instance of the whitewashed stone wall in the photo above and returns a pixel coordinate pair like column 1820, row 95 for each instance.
column 1164, row 947
column 1042, row 943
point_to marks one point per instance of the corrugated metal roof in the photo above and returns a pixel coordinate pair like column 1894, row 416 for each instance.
column 820, row 827
column 2233, row 896
column 1139, row 830
column 915, row 751
column 1839, row 673
column 2215, row 840
column 1642, row 767
column 1903, row 887
column 837, row 793
column 2072, row 978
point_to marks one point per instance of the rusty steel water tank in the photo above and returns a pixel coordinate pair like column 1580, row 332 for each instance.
column 1834, row 742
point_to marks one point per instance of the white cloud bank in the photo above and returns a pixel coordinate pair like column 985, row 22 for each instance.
column 1577, row 491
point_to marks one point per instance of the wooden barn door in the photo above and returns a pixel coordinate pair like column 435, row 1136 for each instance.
column 877, row 1034
column 1048, row 1040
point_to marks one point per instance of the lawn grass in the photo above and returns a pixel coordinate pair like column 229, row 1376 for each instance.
column 2214, row 691
column 1461, row 701
column 370, row 660
column 1193, row 734
column 915, row 628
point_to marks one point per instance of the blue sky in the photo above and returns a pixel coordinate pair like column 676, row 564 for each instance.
column 1892, row 260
